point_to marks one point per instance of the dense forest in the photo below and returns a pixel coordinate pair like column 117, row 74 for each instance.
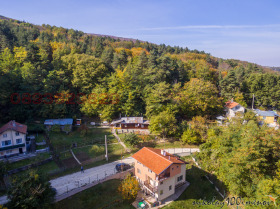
column 49, row 71
column 52, row 72
column 246, row 158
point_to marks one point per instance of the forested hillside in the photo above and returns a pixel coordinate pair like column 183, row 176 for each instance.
column 49, row 71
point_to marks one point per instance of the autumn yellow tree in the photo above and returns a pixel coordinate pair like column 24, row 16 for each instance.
column 129, row 188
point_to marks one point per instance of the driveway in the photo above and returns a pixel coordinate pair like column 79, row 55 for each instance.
column 75, row 180
column 78, row 179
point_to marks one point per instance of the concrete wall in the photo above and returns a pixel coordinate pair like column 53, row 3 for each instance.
column 137, row 131
column 164, row 187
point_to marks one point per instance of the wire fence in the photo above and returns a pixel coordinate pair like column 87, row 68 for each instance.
column 81, row 180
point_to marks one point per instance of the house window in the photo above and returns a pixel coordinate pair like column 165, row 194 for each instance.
column 177, row 166
column 19, row 141
column 180, row 178
column 138, row 170
column 142, row 126
column 161, row 192
column 161, row 182
column 4, row 135
column 17, row 133
column 170, row 187
column 125, row 125
column 136, row 125
column 172, row 169
column 150, row 170
column 6, row 143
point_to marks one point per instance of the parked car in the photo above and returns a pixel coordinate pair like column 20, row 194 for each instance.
column 122, row 167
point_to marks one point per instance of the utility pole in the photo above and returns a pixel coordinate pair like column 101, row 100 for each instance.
column 106, row 148
column 253, row 101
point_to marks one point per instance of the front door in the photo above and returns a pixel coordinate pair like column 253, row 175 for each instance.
column 20, row 150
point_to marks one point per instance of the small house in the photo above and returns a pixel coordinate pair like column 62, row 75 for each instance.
column 233, row 108
column 61, row 122
column 13, row 138
column 268, row 117
column 131, row 124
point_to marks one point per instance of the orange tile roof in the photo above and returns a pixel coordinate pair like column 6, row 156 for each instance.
column 231, row 104
column 154, row 160
column 14, row 126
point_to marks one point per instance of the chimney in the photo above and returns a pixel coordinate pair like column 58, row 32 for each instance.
column 14, row 123
column 163, row 152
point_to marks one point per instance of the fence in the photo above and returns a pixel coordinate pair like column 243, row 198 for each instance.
column 23, row 168
column 212, row 181
column 72, row 187
column 182, row 151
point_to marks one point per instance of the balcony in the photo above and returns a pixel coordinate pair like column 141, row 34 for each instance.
column 12, row 147
column 150, row 187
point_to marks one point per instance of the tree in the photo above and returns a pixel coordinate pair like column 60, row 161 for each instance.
column 197, row 132
column 55, row 128
column 199, row 98
column 132, row 139
column 163, row 124
column 4, row 167
column 239, row 98
column 67, row 128
column 244, row 157
column 250, row 115
column 129, row 188
column 190, row 136
column 30, row 191
column 87, row 71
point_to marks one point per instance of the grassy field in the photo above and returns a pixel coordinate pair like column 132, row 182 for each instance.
column 62, row 141
column 200, row 189
column 28, row 161
column 159, row 145
column 98, row 196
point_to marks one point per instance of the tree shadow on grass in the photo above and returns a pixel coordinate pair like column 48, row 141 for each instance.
column 199, row 189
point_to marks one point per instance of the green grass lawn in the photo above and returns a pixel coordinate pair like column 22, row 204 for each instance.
column 62, row 141
column 28, row 161
column 115, row 151
column 99, row 196
column 161, row 145
column 200, row 189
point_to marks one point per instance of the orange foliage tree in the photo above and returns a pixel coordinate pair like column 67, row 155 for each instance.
column 129, row 188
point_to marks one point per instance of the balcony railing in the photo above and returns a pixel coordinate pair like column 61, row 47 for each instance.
column 12, row 147
column 163, row 177
column 150, row 187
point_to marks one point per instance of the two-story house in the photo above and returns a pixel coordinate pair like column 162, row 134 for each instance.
column 158, row 172
column 232, row 108
column 12, row 138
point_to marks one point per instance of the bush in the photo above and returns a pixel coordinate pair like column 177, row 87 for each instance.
column 190, row 136
column 132, row 139
column 98, row 150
